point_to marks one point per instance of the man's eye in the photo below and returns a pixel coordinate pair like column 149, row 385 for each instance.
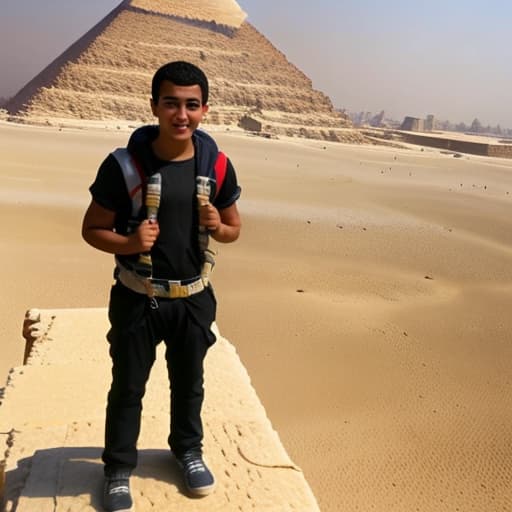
column 192, row 106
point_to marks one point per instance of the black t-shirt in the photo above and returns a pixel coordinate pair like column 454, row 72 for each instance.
column 175, row 254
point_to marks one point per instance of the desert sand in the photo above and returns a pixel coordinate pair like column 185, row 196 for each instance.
column 369, row 298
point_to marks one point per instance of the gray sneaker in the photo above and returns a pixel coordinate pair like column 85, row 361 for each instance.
column 116, row 492
column 198, row 478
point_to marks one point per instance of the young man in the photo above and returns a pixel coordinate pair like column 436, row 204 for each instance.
column 162, row 262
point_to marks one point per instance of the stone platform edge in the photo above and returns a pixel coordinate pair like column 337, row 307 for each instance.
column 39, row 469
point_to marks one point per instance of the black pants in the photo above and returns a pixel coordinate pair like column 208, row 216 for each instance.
column 136, row 330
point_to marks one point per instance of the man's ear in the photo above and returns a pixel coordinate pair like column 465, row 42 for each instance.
column 205, row 108
column 153, row 106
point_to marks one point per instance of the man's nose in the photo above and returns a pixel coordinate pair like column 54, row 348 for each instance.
column 182, row 111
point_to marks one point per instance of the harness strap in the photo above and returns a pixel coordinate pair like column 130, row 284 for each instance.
column 139, row 279
column 144, row 265
column 133, row 176
column 162, row 288
column 221, row 165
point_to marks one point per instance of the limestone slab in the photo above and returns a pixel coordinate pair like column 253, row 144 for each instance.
column 54, row 407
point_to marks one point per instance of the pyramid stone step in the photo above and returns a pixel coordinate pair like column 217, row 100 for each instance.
column 53, row 461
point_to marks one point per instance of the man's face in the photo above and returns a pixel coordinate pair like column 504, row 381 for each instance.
column 179, row 110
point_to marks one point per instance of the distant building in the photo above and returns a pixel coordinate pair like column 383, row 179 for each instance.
column 415, row 124
column 412, row 124
column 430, row 123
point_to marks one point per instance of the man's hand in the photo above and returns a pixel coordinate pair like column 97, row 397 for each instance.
column 145, row 236
column 224, row 225
column 98, row 231
column 209, row 217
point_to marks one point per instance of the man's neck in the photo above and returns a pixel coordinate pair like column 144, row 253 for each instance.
column 176, row 151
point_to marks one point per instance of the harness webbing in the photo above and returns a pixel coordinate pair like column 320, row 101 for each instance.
column 221, row 165
column 134, row 178
column 136, row 183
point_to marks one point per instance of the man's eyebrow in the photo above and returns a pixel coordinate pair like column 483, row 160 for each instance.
column 174, row 98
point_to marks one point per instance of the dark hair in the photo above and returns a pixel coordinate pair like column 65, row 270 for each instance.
column 180, row 73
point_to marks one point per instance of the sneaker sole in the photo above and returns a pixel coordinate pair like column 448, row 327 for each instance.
column 201, row 491
column 131, row 509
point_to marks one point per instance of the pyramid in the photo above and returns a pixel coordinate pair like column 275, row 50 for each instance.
column 106, row 75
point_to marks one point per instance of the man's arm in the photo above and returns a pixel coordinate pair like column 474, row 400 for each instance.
column 98, row 231
column 224, row 225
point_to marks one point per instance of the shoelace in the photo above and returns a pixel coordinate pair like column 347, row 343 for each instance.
column 120, row 489
column 194, row 464
column 118, row 486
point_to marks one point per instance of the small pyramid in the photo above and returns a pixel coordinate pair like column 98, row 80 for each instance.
column 106, row 75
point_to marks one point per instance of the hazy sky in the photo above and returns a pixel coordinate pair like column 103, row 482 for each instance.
column 450, row 58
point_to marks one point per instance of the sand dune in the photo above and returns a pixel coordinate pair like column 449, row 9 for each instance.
column 369, row 298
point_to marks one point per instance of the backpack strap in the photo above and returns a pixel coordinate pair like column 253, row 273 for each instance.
column 134, row 178
column 221, row 165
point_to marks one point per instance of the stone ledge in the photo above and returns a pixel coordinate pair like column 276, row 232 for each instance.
column 53, row 414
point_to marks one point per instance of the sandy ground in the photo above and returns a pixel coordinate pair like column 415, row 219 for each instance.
column 369, row 297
